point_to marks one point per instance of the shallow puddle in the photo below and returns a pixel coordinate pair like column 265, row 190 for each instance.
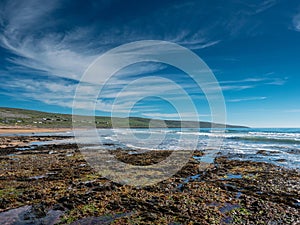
column 228, row 207
column 188, row 179
column 208, row 157
column 25, row 215
column 232, row 176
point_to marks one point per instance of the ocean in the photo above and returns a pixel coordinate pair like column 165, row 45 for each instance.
column 280, row 146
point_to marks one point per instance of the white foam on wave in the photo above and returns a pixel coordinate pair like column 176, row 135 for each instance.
column 245, row 142
column 139, row 147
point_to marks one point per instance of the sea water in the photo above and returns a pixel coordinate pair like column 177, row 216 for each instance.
column 280, row 146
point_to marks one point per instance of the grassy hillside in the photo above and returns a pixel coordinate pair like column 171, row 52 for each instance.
column 24, row 117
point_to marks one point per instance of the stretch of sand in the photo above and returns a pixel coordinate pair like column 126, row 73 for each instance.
column 16, row 130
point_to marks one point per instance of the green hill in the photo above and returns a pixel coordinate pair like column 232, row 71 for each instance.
column 32, row 118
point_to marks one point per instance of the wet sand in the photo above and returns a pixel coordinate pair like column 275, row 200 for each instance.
column 56, row 182
column 17, row 130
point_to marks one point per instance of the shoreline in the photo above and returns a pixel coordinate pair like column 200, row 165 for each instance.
column 18, row 130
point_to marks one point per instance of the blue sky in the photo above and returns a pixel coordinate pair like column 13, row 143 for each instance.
column 252, row 47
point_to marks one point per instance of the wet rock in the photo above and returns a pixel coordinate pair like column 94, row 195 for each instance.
column 281, row 160
column 262, row 152
column 34, row 215
column 36, row 211
column 58, row 207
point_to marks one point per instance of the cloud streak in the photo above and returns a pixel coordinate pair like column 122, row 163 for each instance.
column 246, row 99
column 30, row 34
column 173, row 115
column 296, row 22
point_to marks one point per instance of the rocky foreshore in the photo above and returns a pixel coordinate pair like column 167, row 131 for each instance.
column 53, row 184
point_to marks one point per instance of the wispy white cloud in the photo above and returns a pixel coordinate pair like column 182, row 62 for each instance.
column 66, row 54
column 20, row 15
column 246, row 99
column 265, row 5
column 246, row 80
column 236, row 87
column 50, row 52
column 55, row 92
column 296, row 22
column 204, row 45
column 251, row 82
column 61, row 92
column 194, row 41
column 278, row 81
column 185, row 115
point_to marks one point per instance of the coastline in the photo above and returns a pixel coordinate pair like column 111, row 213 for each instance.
column 19, row 130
